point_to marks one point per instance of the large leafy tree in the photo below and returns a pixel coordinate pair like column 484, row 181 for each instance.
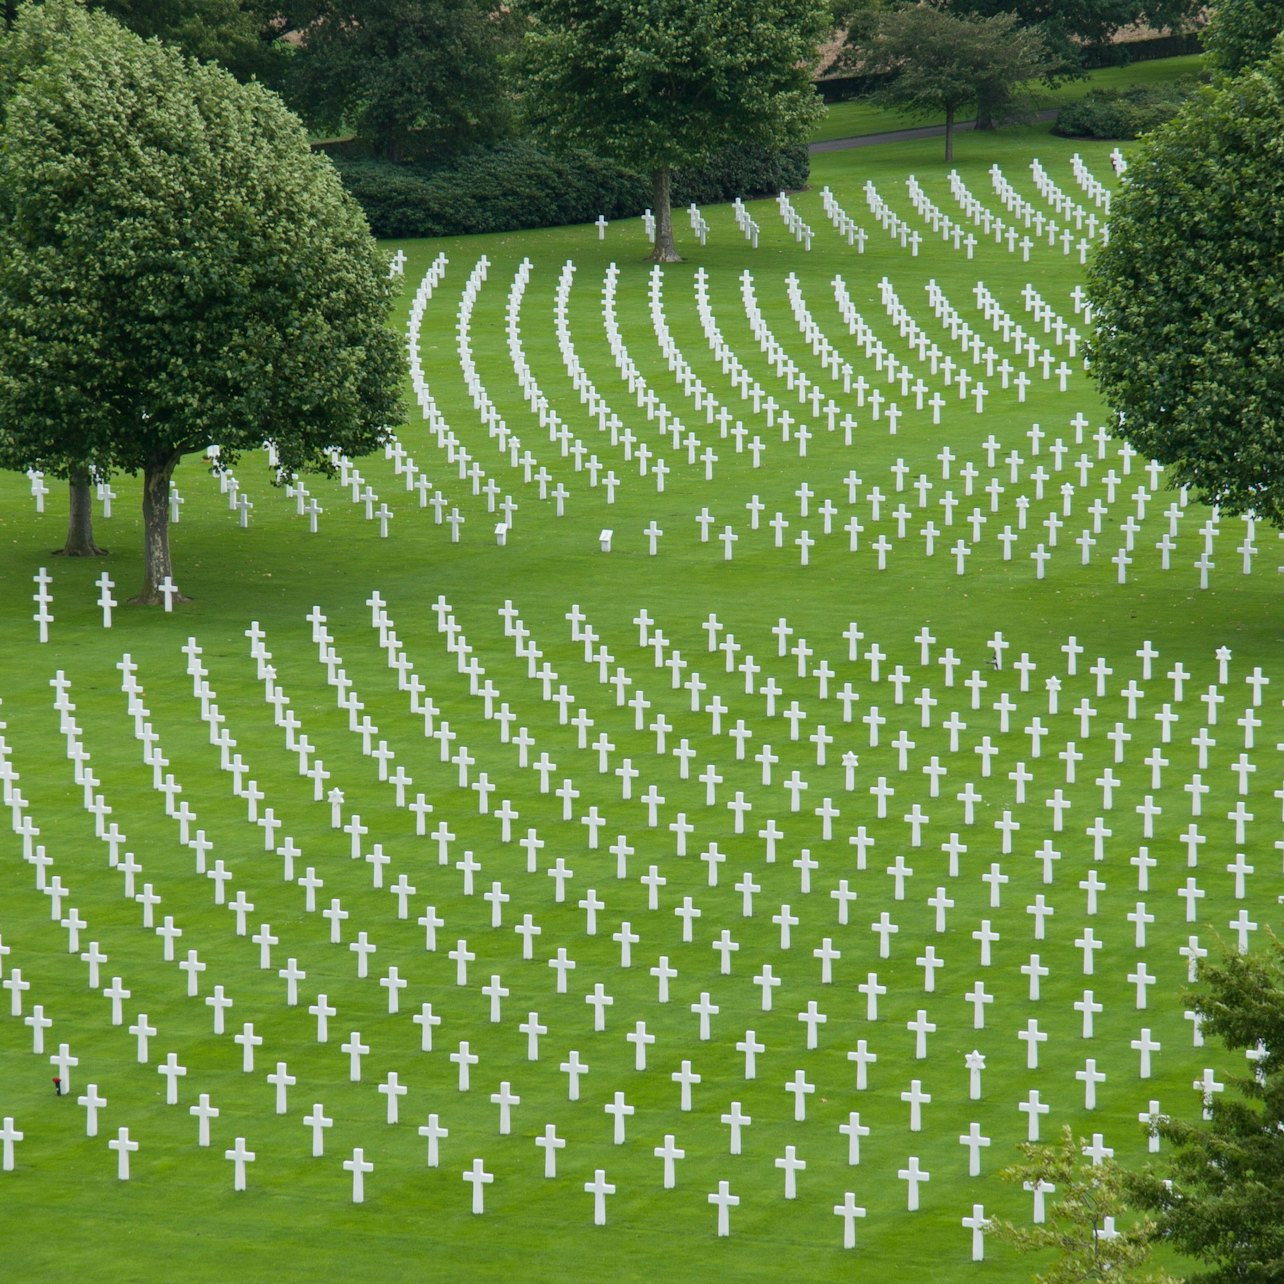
column 397, row 70
column 666, row 83
column 1219, row 1199
column 1189, row 296
column 938, row 62
column 1240, row 33
column 177, row 270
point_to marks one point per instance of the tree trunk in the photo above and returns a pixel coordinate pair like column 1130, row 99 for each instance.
column 665, row 251
column 949, row 135
column 80, row 519
column 984, row 111
column 156, row 563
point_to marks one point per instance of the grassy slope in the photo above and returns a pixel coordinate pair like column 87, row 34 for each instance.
column 63, row 1211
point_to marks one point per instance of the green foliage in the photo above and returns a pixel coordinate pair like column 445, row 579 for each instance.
column 1081, row 1212
column 1189, row 296
column 1123, row 113
column 519, row 185
column 667, row 84
column 1069, row 26
column 176, row 268
column 406, row 74
column 940, row 63
column 234, row 33
column 1240, row 33
column 1219, row 1200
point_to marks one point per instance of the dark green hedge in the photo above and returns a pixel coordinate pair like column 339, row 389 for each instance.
column 518, row 185
column 1125, row 52
column 1123, row 113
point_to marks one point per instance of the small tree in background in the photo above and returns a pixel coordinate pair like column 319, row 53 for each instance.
column 941, row 63
column 1083, row 1202
column 659, row 85
column 401, row 72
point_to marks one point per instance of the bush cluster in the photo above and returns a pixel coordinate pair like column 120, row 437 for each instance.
column 1123, row 113
column 517, row 185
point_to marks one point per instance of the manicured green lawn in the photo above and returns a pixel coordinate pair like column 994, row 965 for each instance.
column 855, row 117
column 998, row 741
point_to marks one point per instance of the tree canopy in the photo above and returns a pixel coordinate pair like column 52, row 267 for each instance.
column 1069, row 24
column 1189, row 296
column 940, row 63
column 393, row 70
column 177, row 270
column 1240, row 33
column 659, row 85
column 239, row 34
column 1218, row 1198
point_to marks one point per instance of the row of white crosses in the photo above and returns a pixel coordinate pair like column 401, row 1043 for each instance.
column 685, row 446
column 745, row 221
column 941, row 223
column 794, row 222
column 985, row 218
column 1032, row 216
column 899, row 229
column 362, row 494
column 844, row 224
column 1064, row 204
column 39, row 488
column 43, row 599
column 559, row 430
column 699, row 224
column 506, row 442
column 810, row 393
column 229, row 486
column 1096, row 190
column 1037, row 356
column 446, row 439
column 713, row 633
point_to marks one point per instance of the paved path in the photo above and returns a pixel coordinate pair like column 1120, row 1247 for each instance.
column 905, row 135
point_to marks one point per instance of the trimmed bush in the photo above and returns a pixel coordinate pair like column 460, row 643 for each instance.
column 517, row 185
column 1123, row 113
